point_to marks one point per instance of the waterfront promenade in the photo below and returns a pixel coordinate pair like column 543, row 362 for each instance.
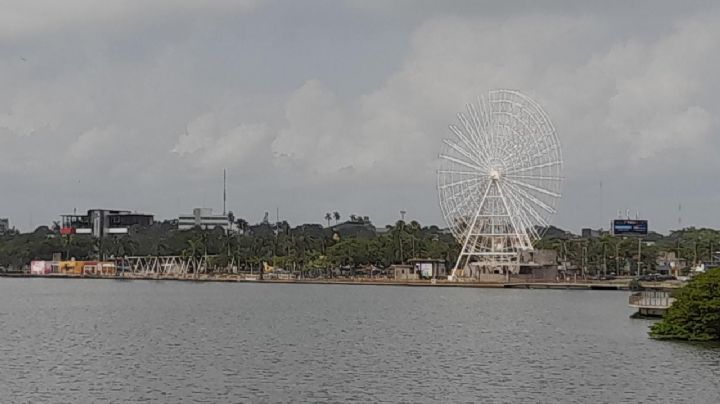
column 579, row 285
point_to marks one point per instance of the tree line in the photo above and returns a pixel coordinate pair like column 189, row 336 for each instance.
column 354, row 243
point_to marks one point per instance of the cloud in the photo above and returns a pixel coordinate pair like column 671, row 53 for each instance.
column 621, row 104
column 31, row 17
column 172, row 110
column 210, row 146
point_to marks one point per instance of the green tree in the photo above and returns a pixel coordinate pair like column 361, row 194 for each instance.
column 695, row 314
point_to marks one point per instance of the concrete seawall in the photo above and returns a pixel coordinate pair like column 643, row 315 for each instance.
column 353, row 282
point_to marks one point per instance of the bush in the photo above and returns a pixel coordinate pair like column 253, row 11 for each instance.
column 695, row 314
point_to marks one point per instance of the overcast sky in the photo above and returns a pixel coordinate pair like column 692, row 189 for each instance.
column 317, row 106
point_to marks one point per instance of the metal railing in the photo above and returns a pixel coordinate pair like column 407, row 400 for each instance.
column 656, row 299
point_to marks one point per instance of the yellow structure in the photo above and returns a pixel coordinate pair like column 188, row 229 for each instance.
column 71, row 267
column 87, row 268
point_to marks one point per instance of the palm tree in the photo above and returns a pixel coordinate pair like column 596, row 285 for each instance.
column 336, row 215
column 241, row 225
column 231, row 218
column 328, row 217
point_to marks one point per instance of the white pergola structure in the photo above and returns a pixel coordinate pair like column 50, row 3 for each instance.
column 167, row 265
column 499, row 180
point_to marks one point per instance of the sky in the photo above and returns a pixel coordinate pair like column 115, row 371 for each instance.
column 321, row 106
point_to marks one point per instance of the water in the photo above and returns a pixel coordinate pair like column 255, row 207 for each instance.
column 134, row 341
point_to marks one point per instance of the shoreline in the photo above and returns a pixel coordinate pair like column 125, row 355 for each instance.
column 352, row 282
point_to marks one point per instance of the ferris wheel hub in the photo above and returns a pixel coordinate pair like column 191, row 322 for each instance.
column 494, row 174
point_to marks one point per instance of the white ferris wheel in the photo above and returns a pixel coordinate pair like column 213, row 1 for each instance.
column 499, row 181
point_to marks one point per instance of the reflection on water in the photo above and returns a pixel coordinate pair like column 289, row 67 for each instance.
column 102, row 340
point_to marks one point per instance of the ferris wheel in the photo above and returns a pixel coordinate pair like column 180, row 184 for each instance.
column 499, row 180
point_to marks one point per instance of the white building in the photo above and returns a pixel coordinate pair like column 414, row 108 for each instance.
column 204, row 218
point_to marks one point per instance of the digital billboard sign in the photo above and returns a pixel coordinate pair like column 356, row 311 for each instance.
column 626, row 227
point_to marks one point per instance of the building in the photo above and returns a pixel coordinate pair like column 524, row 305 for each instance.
column 404, row 272
column 532, row 265
column 103, row 222
column 540, row 265
column 429, row 268
column 357, row 228
column 4, row 225
column 203, row 218
column 592, row 233
column 667, row 262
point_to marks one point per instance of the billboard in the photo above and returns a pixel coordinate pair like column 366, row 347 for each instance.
column 627, row 227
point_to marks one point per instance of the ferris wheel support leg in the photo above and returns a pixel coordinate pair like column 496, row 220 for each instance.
column 465, row 248
column 454, row 274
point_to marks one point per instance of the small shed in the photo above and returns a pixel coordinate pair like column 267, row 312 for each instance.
column 404, row 272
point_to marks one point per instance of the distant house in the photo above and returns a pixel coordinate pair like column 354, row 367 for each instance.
column 357, row 229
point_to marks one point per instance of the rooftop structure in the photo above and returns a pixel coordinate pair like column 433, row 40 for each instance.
column 102, row 222
column 203, row 218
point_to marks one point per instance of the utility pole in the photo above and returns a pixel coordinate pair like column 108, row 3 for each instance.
column 639, row 263
column 617, row 257
column 584, row 261
column 711, row 259
column 402, row 258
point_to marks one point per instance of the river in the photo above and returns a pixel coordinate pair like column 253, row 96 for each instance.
column 71, row 340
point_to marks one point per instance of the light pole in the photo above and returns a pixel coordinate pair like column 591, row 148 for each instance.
column 617, row 257
column 605, row 258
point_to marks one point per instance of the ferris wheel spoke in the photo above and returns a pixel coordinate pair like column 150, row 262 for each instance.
column 460, row 150
column 534, row 188
column 544, row 152
column 463, row 162
column 534, row 177
column 463, row 208
column 532, row 217
column 532, row 198
column 456, row 183
column 487, row 121
column 516, row 219
column 469, row 128
column 526, row 211
column 473, row 147
column 518, row 155
column 479, row 129
column 535, row 167
column 457, row 172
